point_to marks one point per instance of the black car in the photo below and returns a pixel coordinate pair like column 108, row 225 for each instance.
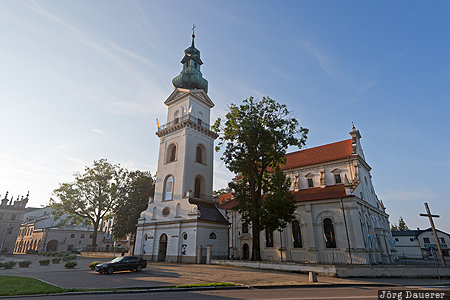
column 122, row 263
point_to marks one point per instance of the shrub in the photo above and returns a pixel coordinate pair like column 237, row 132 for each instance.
column 61, row 254
column 1, row 265
column 24, row 263
column 31, row 251
column 44, row 262
column 69, row 257
column 54, row 254
column 9, row 264
column 56, row 260
column 93, row 264
column 70, row 264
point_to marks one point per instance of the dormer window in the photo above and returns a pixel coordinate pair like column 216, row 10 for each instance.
column 310, row 183
column 337, row 178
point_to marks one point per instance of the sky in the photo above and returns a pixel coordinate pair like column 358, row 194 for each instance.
column 84, row 80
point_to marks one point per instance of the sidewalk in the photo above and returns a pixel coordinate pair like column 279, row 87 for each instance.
column 158, row 274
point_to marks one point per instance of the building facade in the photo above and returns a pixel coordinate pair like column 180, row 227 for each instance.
column 11, row 216
column 420, row 244
column 182, row 220
column 41, row 232
column 339, row 218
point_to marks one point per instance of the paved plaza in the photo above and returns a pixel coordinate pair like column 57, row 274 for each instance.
column 169, row 274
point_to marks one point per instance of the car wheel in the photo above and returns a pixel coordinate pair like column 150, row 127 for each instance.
column 110, row 270
column 138, row 268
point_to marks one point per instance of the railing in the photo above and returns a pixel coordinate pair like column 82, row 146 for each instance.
column 182, row 119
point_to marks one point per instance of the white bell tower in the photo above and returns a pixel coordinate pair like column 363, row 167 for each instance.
column 182, row 220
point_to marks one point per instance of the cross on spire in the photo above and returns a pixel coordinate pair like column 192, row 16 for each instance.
column 193, row 35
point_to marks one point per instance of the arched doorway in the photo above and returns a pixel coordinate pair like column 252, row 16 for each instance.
column 162, row 247
column 245, row 252
column 52, row 246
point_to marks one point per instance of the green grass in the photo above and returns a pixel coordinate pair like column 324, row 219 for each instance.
column 16, row 285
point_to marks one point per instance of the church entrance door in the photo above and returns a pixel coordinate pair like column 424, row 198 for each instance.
column 162, row 247
column 245, row 252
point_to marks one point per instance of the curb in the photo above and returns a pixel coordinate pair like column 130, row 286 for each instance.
column 136, row 290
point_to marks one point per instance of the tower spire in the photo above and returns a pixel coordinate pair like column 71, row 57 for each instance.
column 191, row 77
column 193, row 35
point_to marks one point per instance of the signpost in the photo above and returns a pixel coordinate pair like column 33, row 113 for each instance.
column 430, row 217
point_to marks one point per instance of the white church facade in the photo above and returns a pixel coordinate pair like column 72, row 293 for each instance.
column 182, row 220
column 338, row 218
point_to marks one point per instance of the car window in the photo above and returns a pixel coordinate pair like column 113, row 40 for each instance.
column 117, row 259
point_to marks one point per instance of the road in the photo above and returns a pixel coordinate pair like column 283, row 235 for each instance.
column 336, row 293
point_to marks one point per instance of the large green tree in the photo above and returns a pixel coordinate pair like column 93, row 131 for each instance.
column 91, row 196
column 255, row 136
column 139, row 187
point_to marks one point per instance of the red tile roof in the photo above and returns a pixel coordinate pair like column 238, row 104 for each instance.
column 320, row 154
column 328, row 192
column 225, row 197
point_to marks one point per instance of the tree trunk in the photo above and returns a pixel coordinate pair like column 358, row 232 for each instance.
column 256, row 248
column 94, row 237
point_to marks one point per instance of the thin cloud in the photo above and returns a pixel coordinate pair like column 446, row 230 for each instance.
column 407, row 195
column 99, row 131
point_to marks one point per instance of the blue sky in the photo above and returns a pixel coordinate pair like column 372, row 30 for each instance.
column 84, row 80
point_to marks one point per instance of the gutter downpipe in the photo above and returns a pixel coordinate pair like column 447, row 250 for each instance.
column 346, row 231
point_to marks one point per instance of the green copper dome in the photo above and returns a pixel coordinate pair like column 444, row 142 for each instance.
column 191, row 77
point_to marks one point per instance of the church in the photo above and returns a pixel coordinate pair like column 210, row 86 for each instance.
column 338, row 217
column 182, row 221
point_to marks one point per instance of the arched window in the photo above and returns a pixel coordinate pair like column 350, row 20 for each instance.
column 328, row 230
column 198, row 187
column 168, row 188
column 244, row 228
column 296, row 234
column 171, row 153
column 213, row 236
column 269, row 238
column 200, row 154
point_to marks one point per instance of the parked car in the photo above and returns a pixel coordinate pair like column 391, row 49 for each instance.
column 122, row 263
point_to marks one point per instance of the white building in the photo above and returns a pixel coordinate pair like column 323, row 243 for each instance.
column 420, row 244
column 338, row 219
column 182, row 220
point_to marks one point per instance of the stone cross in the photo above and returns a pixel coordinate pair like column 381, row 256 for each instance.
column 430, row 217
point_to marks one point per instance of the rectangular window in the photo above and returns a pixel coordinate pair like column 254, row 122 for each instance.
column 310, row 182
column 337, row 178
column 426, row 240
column 72, row 235
column 70, row 248
column 396, row 239
column 442, row 240
column 90, row 236
column 82, row 235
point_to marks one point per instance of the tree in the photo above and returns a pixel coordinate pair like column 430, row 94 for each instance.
column 90, row 197
column 137, row 190
column 402, row 225
column 256, row 135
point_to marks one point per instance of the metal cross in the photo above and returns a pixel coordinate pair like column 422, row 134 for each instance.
column 193, row 27
column 430, row 217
